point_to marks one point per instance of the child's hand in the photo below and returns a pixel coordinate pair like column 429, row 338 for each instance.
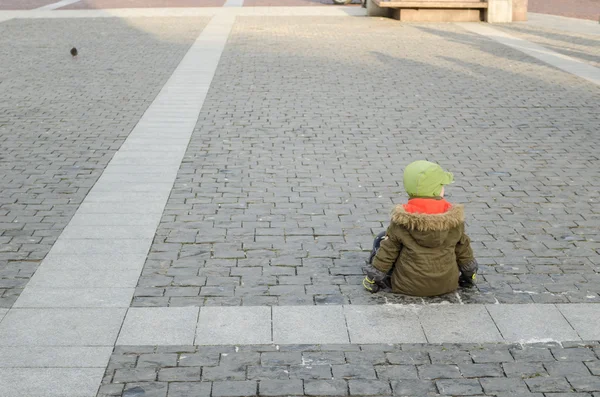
column 467, row 282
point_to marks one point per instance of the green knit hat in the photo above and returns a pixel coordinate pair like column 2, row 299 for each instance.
column 425, row 179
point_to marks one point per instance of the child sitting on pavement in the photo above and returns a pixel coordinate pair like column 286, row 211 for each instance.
column 425, row 251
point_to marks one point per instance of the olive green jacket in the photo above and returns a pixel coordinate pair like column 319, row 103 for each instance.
column 427, row 252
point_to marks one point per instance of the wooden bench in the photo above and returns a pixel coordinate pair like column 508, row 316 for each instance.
column 429, row 10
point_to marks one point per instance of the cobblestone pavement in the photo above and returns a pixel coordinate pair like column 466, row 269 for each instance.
column 62, row 119
column 586, row 9
column 284, row 183
column 585, row 48
column 23, row 4
column 551, row 370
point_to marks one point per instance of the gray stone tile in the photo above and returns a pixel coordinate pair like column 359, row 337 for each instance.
column 458, row 324
column 158, row 194
column 61, row 327
column 383, row 324
column 3, row 313
column 108, row 262
column 139, row 207
column 116, row 188
column 309, row 324
column 234, row 325
column 50, row 382
column 54, row 356
column 584, row 318
column 138, row 178
column 159, row 326
column 75, row 297
column 107, row 232
column 86, row 247
column 116, row 278
column 531, row 323
column 115, row 219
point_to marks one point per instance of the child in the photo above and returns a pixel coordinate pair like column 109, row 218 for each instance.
column 425, row 248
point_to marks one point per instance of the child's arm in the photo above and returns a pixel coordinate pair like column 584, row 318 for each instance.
column 464, row 257
column 388, row 252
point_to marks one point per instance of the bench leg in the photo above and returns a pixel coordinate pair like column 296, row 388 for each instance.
column 499, row 11
column 373, row 10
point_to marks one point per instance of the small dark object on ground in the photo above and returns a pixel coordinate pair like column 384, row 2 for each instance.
column 74, row 52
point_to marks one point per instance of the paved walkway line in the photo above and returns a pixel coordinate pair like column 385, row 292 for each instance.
column 333, row 11
column 560, row 61
column 360, row 324
column 555, row 22
column 58, row 4
column 105, row 244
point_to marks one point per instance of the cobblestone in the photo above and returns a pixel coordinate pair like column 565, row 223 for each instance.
column 278, row 197
column 62, row 120
column 236, row 372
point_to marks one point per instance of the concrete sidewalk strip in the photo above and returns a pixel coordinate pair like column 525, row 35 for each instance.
column 383, row 324
column 75, row 297
column 61, row 327
column 458, row 323
column 159, row 326
column 234, row 325
column 127, row 219
column 86, row 246
column 54, row 356
column 3, row 313
column 531, row 323
column 309, row 324
column 50, row 382
column 564, row 62
column 584, row 318
column 106, row 263
column 127, row 188
column 160, row 193
column 107, row 232
column 113, row 208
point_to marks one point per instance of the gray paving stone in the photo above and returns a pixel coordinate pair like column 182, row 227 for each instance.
column 369, row 387
column 179, row 374
column 157, row 360
column 309, row 325
column 547, row 385
column 150, row 389
column 481, row 370
column 86, row 247
column 386, row 324
column 159, row 326
column 531, row 323
column 448, row 324
column 310, row 371
column 325, row 388
column 104, row 262
column 438, row 371
column 185, row 389
column 222, row 325
column 73, row 279
column 407, row 387
column 54, row 356
column 579, row 315
column 61, row 327
column 51, row 382
column 129, row 375
column 584, row 383
column 459, row 387
column 234, row 388
column 353, row 371
column 280, row 387
column 61, row 297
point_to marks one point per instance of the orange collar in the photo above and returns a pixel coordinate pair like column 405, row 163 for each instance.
column 427, row 206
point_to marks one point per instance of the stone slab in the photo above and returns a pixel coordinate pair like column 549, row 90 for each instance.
column 159, row 326
column 458, row 324
column 584, row 318
column 55, row 356
column 150, row 220
column 531, row 323
column 108, row 262
column 383, row 324
column 50, row 382
column 129, row 187
column 88, row 278
column 234, row 325
column 309, row 324
column 138, row 207
column 75, row 297
column 61, row 327
column 107, row 232
column 87, row 247
column 159, row 193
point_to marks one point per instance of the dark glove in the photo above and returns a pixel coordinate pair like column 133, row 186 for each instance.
column 467, row 282
column 375, row 280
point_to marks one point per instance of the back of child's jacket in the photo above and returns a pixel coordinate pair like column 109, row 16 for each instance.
column 427, row 244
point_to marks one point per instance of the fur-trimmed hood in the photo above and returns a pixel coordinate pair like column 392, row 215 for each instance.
column 450, row 219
